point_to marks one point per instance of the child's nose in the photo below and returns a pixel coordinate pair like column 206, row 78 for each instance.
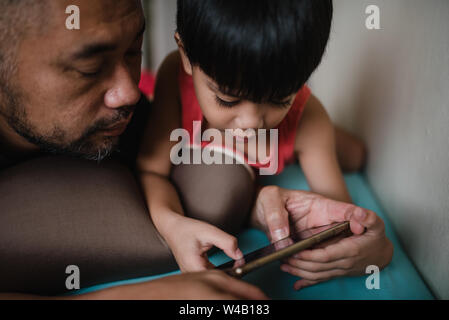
column 250, row 116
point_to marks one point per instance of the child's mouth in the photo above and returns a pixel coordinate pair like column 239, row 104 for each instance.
column 240, row 135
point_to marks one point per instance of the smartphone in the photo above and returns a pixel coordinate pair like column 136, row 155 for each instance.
column 284, row 248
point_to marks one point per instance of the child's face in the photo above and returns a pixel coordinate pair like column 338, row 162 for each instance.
column 223, row 111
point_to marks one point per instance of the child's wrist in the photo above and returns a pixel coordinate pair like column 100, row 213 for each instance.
column 168, row 224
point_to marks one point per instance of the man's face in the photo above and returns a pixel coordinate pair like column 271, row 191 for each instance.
column 74, row 90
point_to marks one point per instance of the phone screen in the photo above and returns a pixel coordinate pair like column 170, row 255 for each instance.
column 269, row 253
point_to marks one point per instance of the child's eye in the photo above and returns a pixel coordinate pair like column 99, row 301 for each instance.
column 282, row 104
column 227, row 104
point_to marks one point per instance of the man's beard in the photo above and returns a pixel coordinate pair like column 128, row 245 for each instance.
column 83, row 147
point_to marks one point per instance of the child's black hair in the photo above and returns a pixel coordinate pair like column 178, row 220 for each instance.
column 259, row 50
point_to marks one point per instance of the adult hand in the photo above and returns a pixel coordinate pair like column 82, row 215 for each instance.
column 281, row 212
column 206, row 285
column 212, row 284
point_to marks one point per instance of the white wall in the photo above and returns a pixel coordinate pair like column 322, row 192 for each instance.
column 162, row 29
column 391, row 87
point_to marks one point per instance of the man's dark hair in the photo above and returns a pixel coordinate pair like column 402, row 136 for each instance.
column 260, row 50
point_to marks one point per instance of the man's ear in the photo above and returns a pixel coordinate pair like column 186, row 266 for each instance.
column 185, row 60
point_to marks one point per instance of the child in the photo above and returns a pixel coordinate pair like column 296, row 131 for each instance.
column 240, row 64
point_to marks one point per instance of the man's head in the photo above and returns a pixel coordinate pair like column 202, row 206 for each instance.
column 69, row 91
column 249, row 58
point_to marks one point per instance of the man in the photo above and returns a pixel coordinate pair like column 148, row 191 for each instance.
column 74, row 93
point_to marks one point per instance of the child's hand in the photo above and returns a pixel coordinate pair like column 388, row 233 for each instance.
column 191, row 240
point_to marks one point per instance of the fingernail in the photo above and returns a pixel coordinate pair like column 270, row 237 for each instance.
column 360, row 214
column 239, row 254
column 279, row 234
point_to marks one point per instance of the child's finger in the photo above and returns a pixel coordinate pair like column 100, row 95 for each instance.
column 224, row 241
column 196, row 264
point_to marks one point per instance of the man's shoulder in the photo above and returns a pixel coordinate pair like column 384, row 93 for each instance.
column 4, row 162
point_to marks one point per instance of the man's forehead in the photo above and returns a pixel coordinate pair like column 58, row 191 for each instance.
column 106, row 16
column 107, row 11
column 102, row 23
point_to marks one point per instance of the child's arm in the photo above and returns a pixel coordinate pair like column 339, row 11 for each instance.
column 315, row 146
column 188, row 239
column 153, row 161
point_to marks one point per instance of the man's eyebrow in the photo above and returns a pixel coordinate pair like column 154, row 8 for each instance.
column 93, row 49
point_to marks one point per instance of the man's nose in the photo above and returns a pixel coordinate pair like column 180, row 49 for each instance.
column 124, row 90
column 250, row 116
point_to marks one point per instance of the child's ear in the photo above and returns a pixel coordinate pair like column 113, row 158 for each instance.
column 185, row 60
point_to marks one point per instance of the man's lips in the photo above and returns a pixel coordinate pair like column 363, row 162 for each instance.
column 117, row 129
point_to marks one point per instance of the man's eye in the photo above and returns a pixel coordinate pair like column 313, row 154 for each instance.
column 227, row 104
column 92, row 74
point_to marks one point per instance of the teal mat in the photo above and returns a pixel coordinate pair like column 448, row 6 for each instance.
column 399, row 280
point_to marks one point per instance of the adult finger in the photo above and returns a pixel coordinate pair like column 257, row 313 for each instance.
column 311, row 266
column 302, row 283
column 345, row 248
column 340, row 211
column 314, row 276
column 314, row 210
column 272, row 203
column 370, row 220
